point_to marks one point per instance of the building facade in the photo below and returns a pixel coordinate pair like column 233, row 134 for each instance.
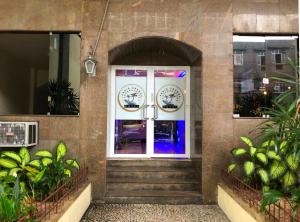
column 194, row 34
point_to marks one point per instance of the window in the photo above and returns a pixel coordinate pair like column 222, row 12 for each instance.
column 238, row 58
column 279, row 58
column 263, row 57
column 261, row 60
column 39, row 73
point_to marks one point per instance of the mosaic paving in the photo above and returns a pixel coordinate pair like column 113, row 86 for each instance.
column 153, row 212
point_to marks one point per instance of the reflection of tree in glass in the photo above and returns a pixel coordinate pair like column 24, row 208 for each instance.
column 64, row 99
column 251, row 104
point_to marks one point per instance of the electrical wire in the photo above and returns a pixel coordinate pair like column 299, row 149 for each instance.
column 100, row 29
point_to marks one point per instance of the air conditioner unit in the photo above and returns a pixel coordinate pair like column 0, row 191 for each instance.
column 18, row 134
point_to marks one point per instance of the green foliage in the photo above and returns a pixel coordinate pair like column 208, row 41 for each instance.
column 247, row 141
column 253, row 161
column 273, row 196
column 270, row 197
column 43, row 153
column 249, row 168
column 32, row 171
column 276, row 161
column 292, row 161
column 35, row 163
column 289, row 179
column 283, row 126
column 12, row 155
column 73, row 163
column 238, row 151
column 61, row 150
column 56, row 170
column 231, row 167
column 8, row 163
column 13, row 200
column 25, row 156
column 18, row 164
column 277, row 169
column 3, row 173
column 266, row 165
column 273, row 155
column 262, row 158
column 264, row 176
column 23, row 176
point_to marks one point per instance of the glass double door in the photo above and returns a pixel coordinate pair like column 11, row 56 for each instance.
column 149, row 112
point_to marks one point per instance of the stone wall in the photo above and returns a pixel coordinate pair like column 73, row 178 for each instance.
column 205, row 24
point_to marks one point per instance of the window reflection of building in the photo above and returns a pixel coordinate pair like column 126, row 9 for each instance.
column 262, row 58
column 238, row 58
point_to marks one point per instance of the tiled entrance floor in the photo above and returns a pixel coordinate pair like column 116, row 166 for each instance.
column 153, row 213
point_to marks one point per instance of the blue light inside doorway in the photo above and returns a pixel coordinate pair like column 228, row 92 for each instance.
column 169, row 137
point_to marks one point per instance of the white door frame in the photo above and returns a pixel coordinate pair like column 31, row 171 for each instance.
column 150, row 123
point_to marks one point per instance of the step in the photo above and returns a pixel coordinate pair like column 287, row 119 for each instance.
column 180, row 174
column 153, row 197
column 153, row 193
column 150, row 163
column 148, row 169
column 159, row 181
column 153, row 200
column 152, row 186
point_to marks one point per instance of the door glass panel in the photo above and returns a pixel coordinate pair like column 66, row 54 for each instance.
column 169, row 118
column 169, row 137
column 130, row 123
column 130, row 137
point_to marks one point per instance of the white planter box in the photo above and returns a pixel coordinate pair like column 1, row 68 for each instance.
column 74, row 208
column 77, row 209
column 235, row 209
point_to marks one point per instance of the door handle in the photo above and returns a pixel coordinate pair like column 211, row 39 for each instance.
column 155, row 112
column 144, row 112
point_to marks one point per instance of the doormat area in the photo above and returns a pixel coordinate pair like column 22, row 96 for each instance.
column 154, row 212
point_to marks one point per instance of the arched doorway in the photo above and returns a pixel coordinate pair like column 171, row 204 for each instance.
column 155, row 111
column 153, row 108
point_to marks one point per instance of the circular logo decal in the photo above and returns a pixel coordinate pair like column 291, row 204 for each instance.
column 131, row 97
column 169, row 98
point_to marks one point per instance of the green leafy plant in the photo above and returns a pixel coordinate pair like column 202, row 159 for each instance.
column 281, row 149
column 284, row 121
column 268, row 166
column 56, row 169
column 270, row 197
column 19, row 164
column 13, row 200
column 274, row 196
column 23, row 178
column 284, row 125
column 253, row 161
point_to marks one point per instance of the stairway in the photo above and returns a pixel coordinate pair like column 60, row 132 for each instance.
column 160, row 181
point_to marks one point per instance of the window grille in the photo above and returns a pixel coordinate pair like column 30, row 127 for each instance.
column 279, row 56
